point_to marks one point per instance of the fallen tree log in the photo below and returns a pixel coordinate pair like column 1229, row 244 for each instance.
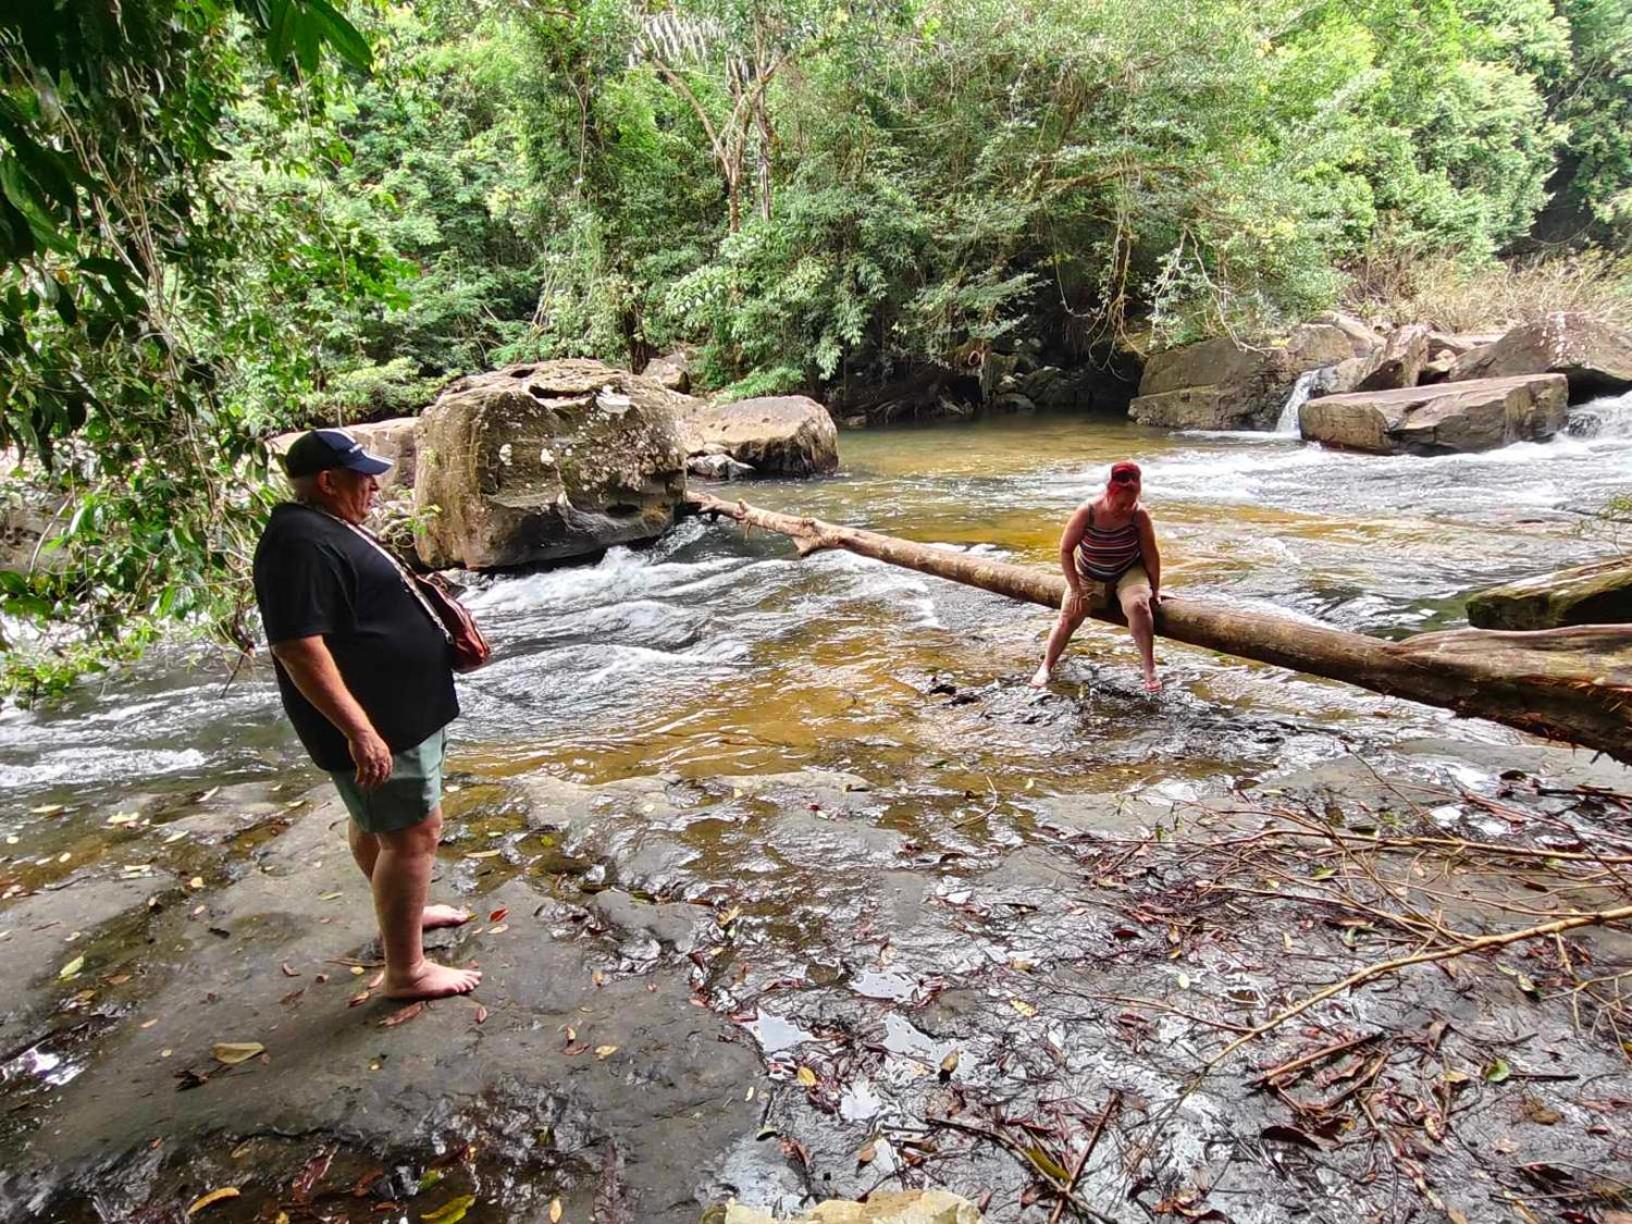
column 1573, row 684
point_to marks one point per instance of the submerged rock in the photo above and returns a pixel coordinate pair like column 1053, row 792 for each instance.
column 779, row 435
column 1595, row 357
column 1221, row 384
column 1449, row 417
column 1596, row 594
column 717, row 466
column 543, row 462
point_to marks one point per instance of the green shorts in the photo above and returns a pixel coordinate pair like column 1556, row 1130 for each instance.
column 411, row 793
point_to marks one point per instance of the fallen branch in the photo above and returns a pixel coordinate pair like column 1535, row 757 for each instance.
column 1600, row 918
column 1573, row 685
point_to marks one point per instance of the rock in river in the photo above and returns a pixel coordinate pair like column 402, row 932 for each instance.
column 1447, row 417
column 779, row 435
column 1220, row 384
column 1596, row 357
column 546, row 461
column 1596, row 594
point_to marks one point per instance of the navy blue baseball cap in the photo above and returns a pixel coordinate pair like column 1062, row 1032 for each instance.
column 323, row 449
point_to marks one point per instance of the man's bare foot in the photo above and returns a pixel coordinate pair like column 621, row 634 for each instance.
column 432, row 981
column 1152, row 684
column 1040, row 680
column 437, row 916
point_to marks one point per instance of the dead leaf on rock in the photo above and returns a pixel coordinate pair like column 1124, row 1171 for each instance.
column 806, row 1076
column 450, row 1212
column 1024, row 1008
column 214, row 1196
column 71, row 969
column 500, row 914
column 361, row 997
column 605, row 1051
column 288, row 970
column 481, row 1014
column 500, row 929
column 866, row 1155
column 403, row 1015
column 1541, row 1113
column 234, row 1052
column 555, row 1211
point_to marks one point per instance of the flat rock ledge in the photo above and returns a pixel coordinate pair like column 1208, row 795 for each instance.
column 1441, row 419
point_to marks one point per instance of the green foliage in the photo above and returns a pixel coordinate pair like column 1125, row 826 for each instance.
column 119, row 333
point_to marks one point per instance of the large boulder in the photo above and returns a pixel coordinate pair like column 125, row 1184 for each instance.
column 1596, row 594
column 541, row 462
column 779, row 435
column 1221, row 384
column 1449, row 417
column 1400, row 362
column 392, row 439
column 1596, row 357
column 671, row 371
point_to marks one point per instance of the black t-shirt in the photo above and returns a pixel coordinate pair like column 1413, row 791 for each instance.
column 314, row 575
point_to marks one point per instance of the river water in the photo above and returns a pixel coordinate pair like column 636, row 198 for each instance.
column 709, row 652
column 840, row 761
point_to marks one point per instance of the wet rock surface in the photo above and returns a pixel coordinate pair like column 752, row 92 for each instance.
column 791, row 987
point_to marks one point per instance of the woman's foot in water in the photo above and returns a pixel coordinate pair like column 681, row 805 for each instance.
column 1152, row 683
column 1041, row 679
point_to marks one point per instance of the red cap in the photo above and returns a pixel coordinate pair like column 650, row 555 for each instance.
column 1121, row 471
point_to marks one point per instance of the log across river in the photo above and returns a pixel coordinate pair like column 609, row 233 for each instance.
column 1570, row 684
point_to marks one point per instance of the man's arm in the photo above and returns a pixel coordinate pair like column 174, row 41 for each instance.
column 312, row 668
column 1150, row 554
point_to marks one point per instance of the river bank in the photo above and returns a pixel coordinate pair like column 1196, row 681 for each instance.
column 636, row 777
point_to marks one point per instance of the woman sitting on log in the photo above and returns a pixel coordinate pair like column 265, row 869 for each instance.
column 1109, row 540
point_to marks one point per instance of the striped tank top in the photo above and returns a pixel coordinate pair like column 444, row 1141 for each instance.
column 1104, row 556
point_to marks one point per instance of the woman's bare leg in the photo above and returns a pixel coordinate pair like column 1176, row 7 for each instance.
column 1136, row 607
column 1067, row 624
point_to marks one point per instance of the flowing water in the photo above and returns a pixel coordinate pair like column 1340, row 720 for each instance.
column 709, row 652
column 670, row 676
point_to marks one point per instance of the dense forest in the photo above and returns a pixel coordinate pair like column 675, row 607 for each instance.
column 224, row 218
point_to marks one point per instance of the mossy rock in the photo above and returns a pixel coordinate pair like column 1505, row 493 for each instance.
column 1596, row 594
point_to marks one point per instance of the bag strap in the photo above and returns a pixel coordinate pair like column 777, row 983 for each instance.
column 409, row 582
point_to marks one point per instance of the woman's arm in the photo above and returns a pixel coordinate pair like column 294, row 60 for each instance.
column 1150, row 554
column 1075, row 527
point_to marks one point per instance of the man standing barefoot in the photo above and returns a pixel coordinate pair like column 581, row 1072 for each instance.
column 366, row 676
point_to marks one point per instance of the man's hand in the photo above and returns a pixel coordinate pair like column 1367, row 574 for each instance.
column 373, row 757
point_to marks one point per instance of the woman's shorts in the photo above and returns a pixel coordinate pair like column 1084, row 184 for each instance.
column 1133, row 576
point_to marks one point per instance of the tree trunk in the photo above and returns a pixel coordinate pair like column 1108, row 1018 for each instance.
column 1573, row 685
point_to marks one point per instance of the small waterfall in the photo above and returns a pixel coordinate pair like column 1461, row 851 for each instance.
column 1609, row 416
column 1309, row 382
